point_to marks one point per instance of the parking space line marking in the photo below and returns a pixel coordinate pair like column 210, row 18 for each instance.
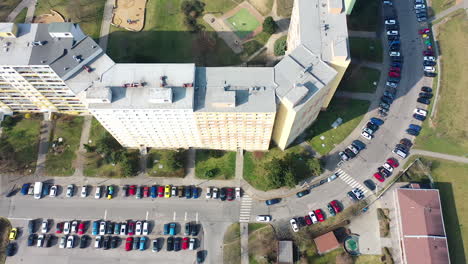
column 147, row 213
column 173, row 218
column 196, row 217
column 185, row 217
column 105, row 214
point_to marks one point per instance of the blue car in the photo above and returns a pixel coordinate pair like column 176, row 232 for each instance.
column 359, row 144
column 188, row 192
column 153, row 191
column 377, row 121
column 195, row 192
column 166, row 229
column 412, row 132
column 273, row 201
column 95, row 228
column 142, row 243
column 172, row 229
column 415, row 127
column 25, row 189
column 396, row 64
column 45, row 189
column 419, row 117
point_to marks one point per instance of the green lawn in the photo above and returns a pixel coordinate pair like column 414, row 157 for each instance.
column 21, row 143
column 360, row 79
column 243, row 23
column 365, row 15
column 6, row 6
column 220, row 163
column 165, row 39
column 21, row 17
column 438, row 6
column 219, row 6
column 448, row 132
column 369, row 49
column 231, row 245
column 263, row 6
column 350, row 110
column 450, row 179
column 60, row 161
column 86, row 12
column 166, row 163
column 284, row 7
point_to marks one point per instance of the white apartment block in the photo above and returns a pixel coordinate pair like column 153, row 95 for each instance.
column 56, row 68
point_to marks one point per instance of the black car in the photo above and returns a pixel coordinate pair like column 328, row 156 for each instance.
column 302, row 193
column 384, row 106
column 425, row 95
column 32, row 226
column 301, row 221
column 188, row 192
column 419, row 117
column 84, row 241
column 393, row 38
column 352, row 196
column 358, row 144
column 395, row 47
column 273, row 201
column 412, row 132
column 125, row 190
column 48, row 240
column 402, row 147
column 393, row 79
column 382, row 113
column 222, row 194
column 136, row 243
column 396, row 64
column 426, row 89
column 406, row 142
column 384, row 172
column 177, row 243
column 390, row 93
column 331, row 210
column 429, row 63
column 369, row 184
column 423, row 101
column 110, row 228
column 170, row 243
column 187, row 229
column 31, row 239
column 194, row 229
column 115, row 241
column 430, row 74
column 397, row 58
column 106, row 242
column 349, row 153
column 11, row 249
column 386, row 99
column 200, row 256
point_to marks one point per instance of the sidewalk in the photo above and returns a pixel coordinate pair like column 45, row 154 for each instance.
column 46, row 130
column 29, row 4
column 80, row 159
column 105, row 24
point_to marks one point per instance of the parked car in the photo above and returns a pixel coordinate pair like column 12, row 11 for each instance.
column 208, row 193
column 155, row 245
column 343, row 156
column 45, row 226
column 81, row 228
column 84, row 241
column 390, row 22
column 230, row 194
column 313, row 217
column 70, row 190
column 128, row 243
column 177, row 243
column 167, row 191
column 84, row 191
column 428, row 53
column 392, row 33
column 379, row 177
column 319, row 214
column 32, row 226
column 132, row 190
column 273, row 201
column 188, row 192
column 25, row 189
column 170, row 243
column 419, row 117
column 263, row 218
column 294, row 225
column 131, row 228
column 302, row 193
column 392, row 84
column 412, row 132
column 142, row 243
column 359, row 193
column 423, row 101
column 430, row 74
column 70, row 241
column 11, row 249
column 393, row 162
column 394, row 54
column 13, row 234
column 369, row 184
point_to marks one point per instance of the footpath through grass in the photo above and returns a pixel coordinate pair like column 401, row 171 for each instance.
column 21, row 17
column 366, row 49
column 360, row 79
column 215, row 164
column 350, row 110
column 448, row 132
column 232, row 245
column 61, row 155
column 365, row 15
column 6, row 6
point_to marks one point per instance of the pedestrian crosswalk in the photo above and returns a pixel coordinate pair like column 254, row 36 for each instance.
column 245, row 208
column 349, row 180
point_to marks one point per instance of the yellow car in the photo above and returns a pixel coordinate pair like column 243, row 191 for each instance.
column 167, row 191
column 13, row 233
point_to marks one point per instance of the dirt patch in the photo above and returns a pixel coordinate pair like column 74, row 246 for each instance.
column 263, row 245
column 384, row 221
column 54, row 17
column 129, row 14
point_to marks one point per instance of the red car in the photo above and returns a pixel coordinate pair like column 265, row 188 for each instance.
column 395, row 69
column 393, row 162
column 379, row 177
column 131, row 228
column 132, row 190
column 146, row 191
column 81, row 228
column 424, row 31
column 336, row 206
column 230, row 194
column 160, row 191
column 319, row 215
column 59, row 228
column 185, row 243
column 308, row 220
column 128, row 243
column 393, row 74
column 428, row 53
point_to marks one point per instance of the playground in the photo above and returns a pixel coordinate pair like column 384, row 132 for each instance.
column 129, row 14
column 243, row 23
column 53, row 17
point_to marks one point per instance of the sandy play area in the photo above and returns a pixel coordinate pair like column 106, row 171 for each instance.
column 49, row 18
column 129, row 14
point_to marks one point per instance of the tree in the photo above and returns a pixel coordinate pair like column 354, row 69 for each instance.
column 315, row 166
column 269, row 25
column 89, row 148
column 275, row 171
column 280, row 46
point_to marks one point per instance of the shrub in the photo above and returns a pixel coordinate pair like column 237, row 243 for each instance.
column 269, row 25
column 280, row 46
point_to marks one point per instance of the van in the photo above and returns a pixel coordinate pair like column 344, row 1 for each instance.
column 38, row 190
column 400, row 153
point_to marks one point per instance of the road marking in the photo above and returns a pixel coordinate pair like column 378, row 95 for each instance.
column 185, row 217
column 173, row 218
column 196, row 218
column 105, row 214
column 147, row 213
column 349, row 180
column 18, row 218
column 245, row 208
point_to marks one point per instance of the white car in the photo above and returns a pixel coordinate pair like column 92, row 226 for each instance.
column 313, row 217
column 97, row 194
column 102, row 228
column 394, row 54
column 53, row 191
column 174, row 191
column 66, row 228
column 70, row 190
column 359, row 193
column 388, row 167
column 192, row 244
column 138, row 228
column 343, row 156
column 70, row 241
column 420, row 111
column 208, row 192
column 429, row 58
column 263, row 218
column 44, row 226
column 429, row 69
column 145, row 228
column 123, row 229
column 386, row 2
column 392, row 84
column 215, row 193
column 294, row 225
column 390, row 22
column 97, row 242
column 238, row 193
column 353, row 149
column 366, row 135
column 84, row 192
column 419, row 6
column 63, row 241
column 40, row 240
column 392, row 33
column 74, row 226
